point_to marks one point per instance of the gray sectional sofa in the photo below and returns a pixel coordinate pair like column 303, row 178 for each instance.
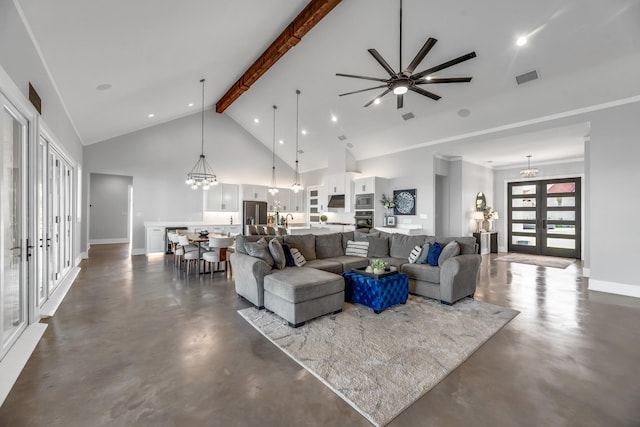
column 454, row 279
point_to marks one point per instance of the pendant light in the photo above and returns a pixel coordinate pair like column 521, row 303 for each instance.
column 296, row 174
column 273, row 188
column 529, row 172
column 201, row 174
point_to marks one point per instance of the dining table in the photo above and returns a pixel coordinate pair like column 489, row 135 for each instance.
column 199, row 239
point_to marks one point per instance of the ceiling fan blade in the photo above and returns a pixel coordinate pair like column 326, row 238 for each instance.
column 382, row 62
column 362, row 90
column 400, row 101
column 375, row 79
column 420, row 56
column 379, row 96
column 445, row 65
column 425, row 93
column 436, row 80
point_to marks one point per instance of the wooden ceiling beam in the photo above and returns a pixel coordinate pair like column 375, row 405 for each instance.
column 292, row 34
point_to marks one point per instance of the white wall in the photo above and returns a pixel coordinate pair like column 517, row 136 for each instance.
column 158, row 158
column 109, row 208
column 475, row 178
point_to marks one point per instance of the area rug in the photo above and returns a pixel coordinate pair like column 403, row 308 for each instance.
column 542, row 261
column 382, row 363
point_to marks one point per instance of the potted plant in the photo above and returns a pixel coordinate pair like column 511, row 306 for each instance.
column 323, row 218
column 378, row 266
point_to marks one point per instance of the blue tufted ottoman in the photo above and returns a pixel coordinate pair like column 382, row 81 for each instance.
column 376, row 293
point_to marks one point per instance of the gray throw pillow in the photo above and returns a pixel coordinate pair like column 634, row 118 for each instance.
column 450, row 250
column 329, row 245
column 422, row 259
column 378, row 247
column 279, row 260
column 259, row 249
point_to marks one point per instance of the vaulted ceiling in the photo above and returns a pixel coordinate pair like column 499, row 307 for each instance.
column 153, row 53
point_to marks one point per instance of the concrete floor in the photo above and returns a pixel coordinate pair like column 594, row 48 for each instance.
column 136, row 342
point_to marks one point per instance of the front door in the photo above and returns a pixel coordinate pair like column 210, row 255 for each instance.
column 544, row 217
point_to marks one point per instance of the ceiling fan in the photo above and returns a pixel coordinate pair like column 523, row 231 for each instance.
column 404, row 81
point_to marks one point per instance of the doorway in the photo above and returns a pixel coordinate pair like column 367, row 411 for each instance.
column 544, row 217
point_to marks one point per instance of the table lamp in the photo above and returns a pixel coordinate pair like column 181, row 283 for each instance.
column 478, row 216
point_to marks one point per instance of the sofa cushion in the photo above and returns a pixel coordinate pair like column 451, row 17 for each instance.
column 326, row 265
column 298, row 259
column 402, row 244
column 424, row 272
column 350, row 262
column 359, row 249
column 242, row 239
column 467, row 243
column 415, row 253
column 303, row 284
column 287, row 254
column 378, row 246
column 259, row 249
column 346, row 236
column 329, row 245
column 422, row 259
column 450, row 250
column 359, row 236
column 277, row 253
column 305, row 243
column 434, row 254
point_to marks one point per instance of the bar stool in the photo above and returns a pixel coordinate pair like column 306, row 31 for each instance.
column 218, row 252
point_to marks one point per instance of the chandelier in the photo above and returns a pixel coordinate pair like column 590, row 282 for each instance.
column 296, row 174
column 201, row 174
column 273, row 188
column 529, row 172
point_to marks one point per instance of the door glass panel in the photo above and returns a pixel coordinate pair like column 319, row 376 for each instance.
column 569, row 230
column 520, row 215
column 13, row 284
column 561, row 201
column 561, row 243
column 523, row 240
column 561, row 187
column 523, row 203
column 313, row 210
column 523, row 228
column 561, row 215
column 41, row 231
column 523, row 189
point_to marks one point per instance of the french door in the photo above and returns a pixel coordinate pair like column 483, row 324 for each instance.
column 544, row 217
column 14, row 279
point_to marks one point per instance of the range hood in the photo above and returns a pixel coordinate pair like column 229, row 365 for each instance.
column 336, row 201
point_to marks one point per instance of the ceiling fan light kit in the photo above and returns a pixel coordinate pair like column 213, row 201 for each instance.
column 402, row 82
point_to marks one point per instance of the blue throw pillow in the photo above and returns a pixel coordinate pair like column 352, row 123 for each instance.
column 434, row 254
column 287, row 255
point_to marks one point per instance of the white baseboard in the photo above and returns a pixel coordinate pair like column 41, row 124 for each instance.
column 137, row 251
column 614, row 288
column 50, row 307
column 586, row 272
column 85, row 255
column 108, row 241
column 13, row 362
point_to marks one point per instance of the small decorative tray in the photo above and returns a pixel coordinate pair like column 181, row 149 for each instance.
column 387, row 272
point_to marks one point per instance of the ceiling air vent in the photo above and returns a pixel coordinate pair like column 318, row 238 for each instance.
column 342, row 137
column 408, row 116
column 527, row 77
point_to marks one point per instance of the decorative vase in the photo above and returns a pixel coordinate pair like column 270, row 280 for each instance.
column 485, row 225
column 378, row 270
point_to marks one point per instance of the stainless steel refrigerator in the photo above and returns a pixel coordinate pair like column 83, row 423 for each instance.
column 254, row 212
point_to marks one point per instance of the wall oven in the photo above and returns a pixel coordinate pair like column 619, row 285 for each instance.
column 364, row 201
column 364, row 219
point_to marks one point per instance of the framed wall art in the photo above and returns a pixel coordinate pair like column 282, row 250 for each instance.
column 405, row 201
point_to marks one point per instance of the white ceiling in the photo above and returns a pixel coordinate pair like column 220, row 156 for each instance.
column 154, row 52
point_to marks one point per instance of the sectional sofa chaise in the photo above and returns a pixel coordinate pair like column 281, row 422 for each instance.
column 317, row 288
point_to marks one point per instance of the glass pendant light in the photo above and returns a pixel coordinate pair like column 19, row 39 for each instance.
column 296, row 187
column 273, row 188
column 201, row 174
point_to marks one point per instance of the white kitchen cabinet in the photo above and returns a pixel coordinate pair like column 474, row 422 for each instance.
column 296, row 201
column 365, row 185
column 254, row 192
column 283, row 196
column 222, row 198
column 155, row 240
column 335, row 184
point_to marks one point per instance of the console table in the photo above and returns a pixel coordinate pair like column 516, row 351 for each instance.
column 488, row 242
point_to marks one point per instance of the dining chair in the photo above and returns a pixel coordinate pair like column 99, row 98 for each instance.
column 218, row 253
column 252, row 230
column 190, row 253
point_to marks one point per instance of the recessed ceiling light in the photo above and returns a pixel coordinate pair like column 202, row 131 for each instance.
column 191, row 104
column 521, row 41
column 304, row 132
column 334, row 119
column 256, row 120
column 281, row 142
column 104, row 86
column 151, row 115
column 376, row 101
